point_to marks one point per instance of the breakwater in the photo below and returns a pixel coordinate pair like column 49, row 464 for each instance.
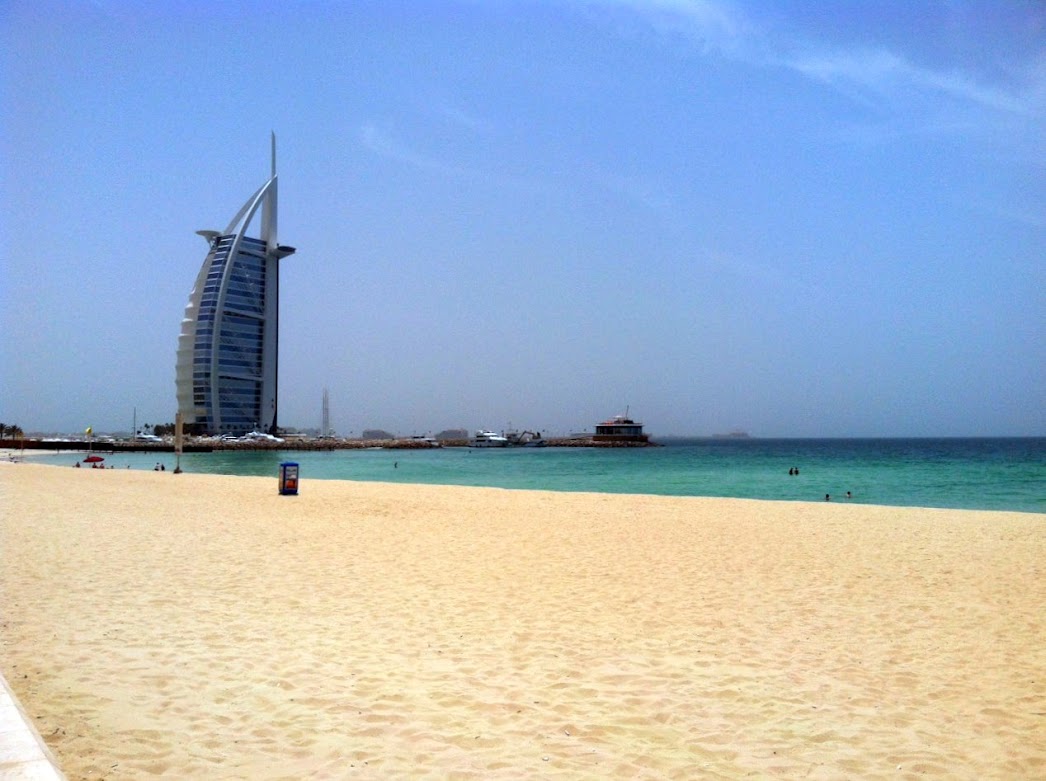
column 318, row 445
column 96, row 446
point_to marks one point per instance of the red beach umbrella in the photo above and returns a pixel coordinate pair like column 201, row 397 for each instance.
column 93, row 459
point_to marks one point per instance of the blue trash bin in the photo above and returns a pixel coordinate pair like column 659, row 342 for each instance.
column 289, row 478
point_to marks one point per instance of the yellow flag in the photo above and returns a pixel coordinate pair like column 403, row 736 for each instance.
column 88, row 432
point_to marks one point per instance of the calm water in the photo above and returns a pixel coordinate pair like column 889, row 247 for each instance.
column 995, row 474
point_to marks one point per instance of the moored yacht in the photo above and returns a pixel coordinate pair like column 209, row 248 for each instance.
column 488, row 439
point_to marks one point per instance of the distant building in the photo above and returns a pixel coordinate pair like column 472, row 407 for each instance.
column 620, row 428
column 226, row 370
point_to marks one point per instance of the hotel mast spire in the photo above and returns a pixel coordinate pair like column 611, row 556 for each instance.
column 268, row 227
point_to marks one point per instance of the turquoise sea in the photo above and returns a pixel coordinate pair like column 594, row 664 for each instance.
column 991, row 474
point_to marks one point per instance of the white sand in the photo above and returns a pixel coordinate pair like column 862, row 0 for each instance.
column 198, row 626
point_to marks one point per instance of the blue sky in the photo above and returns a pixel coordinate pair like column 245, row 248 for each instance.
column 793, row 218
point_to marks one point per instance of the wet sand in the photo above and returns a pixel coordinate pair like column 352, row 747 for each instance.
column 197, row 626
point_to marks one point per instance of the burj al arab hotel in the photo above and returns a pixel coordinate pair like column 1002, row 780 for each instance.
column 226, row 372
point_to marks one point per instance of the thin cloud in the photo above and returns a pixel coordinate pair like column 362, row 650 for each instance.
column 885, row 73
column 717, row 28
column 711, row 25
column 383, row 144
column 462, row 119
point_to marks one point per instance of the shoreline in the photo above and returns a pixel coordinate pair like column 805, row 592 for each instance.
column 43, row 458
column 207, row 627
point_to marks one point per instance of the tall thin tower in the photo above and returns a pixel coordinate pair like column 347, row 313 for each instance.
column 325, row 428
column 226, row 372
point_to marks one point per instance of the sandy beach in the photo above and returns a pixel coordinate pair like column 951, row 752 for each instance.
column 197, row 626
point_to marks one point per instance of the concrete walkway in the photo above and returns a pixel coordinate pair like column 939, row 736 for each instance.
column 23, row 754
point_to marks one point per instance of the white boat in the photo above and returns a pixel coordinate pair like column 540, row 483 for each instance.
column 488, row 439
column 425, row 441
column 260, row 436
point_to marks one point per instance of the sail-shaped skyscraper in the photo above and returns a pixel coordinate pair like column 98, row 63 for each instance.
column 226, row 371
